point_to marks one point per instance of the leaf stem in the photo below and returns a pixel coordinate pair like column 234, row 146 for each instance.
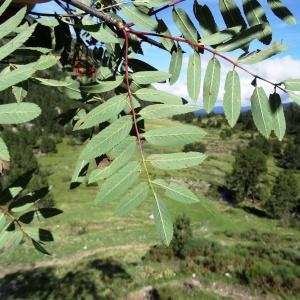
column 134, row 117
column 212, row 51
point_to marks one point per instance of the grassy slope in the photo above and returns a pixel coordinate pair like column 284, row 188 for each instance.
column 85, row 226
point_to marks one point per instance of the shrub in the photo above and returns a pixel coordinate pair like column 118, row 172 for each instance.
column 261, row 143
column 285, row 198
column 225, row 133
column 291, row 156
column 197, row 147
column 250, row 164
column 277, row 149
column 48, row 145
column 182, row 234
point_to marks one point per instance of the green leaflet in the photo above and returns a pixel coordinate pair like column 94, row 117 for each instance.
column 255, row 15
column 103, row 86
column 15, row 113
column 231, row 14
column 205, row 19
column 159, row 111
column 19, row 93
column 104, row 35
column 38, row 246
column 12, row 23
column 152, row 3
column 282, row 12
column 153, row 95
column 122, row 153
column 23, row 72
column 77, row 176
column 119, row 183
column 52, row 82
column 16, row 42
column 295, row 97
column 2, row 221
column 105, row 140
column 177, row 192
column 244, row 38
column 147, row 77
column 22, row 208
column 163, row 221
column 292, row 84
column 72, row 90
column 9, row 240
column 211, row 84
column 175, row 64
column 221, row 36
column 261, row 111
column 258, row 56
column 104, row 112
column 39, row 215
column 4, row 154
column 184, row 24
column 15, row 191
column 45, row 62
column 174, row 136
column 164, row 30
column 7, row 79
column 119, row 149
column 175, row 161
column 194, row 76
column 232, row 97
column 47, row 21
column 4, row 6
column 279, row 124
column 139, row 18
column 39, row 234
column 133, row 199
column 33, row 50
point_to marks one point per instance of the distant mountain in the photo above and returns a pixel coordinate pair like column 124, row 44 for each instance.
column 219, row 110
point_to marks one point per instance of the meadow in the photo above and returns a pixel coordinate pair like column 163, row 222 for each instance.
column 86, row 231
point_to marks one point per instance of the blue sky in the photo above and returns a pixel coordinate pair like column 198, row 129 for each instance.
column 286, row 65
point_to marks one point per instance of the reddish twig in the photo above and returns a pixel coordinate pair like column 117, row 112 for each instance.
column 130, row 96
column 134, row 117
column 214, row 52
column 143, row 35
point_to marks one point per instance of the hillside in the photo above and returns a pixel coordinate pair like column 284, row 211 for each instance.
column 87, row 232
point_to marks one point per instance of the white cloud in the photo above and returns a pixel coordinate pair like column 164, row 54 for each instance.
column 275, row 70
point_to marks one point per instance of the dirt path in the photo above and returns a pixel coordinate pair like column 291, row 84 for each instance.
column 70, row 259
column 187, row 285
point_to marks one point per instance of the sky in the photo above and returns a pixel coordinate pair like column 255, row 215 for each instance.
column 283, row 66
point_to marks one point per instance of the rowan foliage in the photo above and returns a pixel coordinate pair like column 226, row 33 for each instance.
column 100, row 47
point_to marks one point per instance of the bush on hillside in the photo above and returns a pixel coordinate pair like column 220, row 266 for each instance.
column 261, row 143
column 249, row 166
column 225, row 133
column 48, row 145
column 291, row 156
column 182, row 235
column 197, row 147
column 285, row 199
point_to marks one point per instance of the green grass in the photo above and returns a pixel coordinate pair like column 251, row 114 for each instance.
column 86, row 226
column 86, row 231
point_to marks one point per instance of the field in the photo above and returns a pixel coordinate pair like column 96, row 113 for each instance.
column 88, row 231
